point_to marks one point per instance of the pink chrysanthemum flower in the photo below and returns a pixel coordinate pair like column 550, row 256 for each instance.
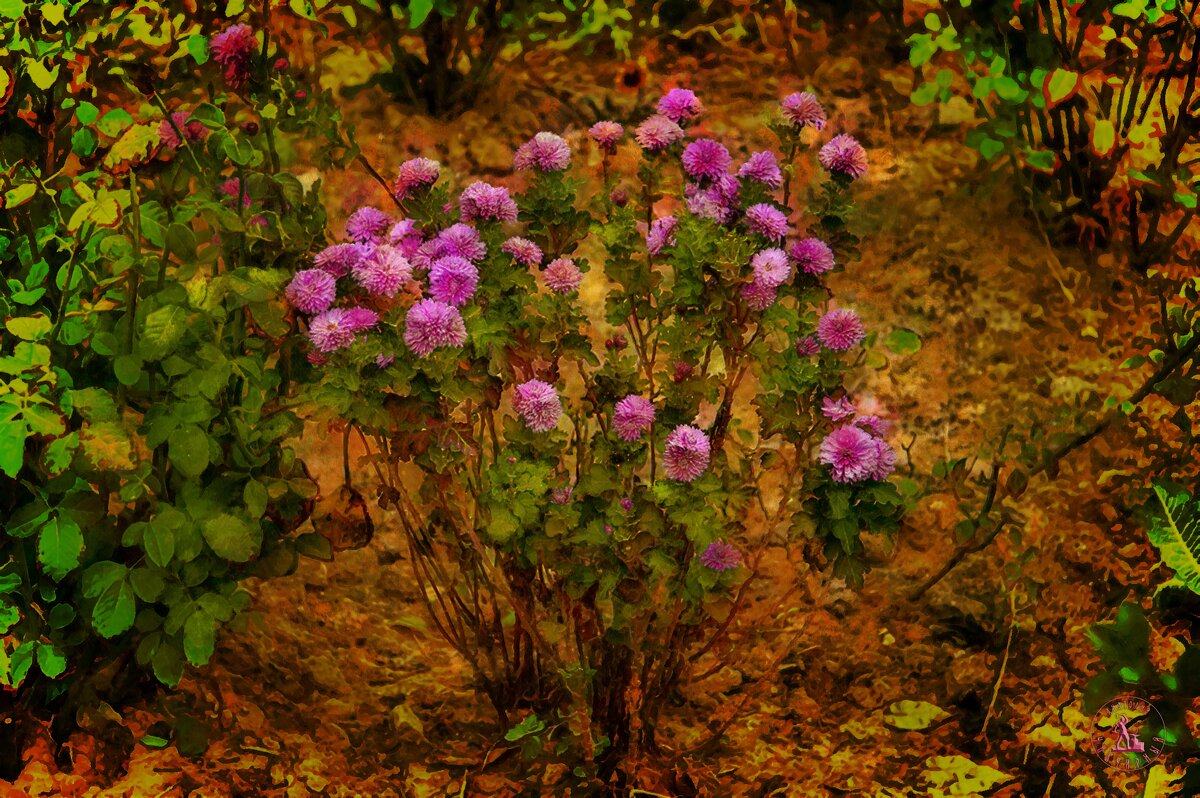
column 840, row 330
column 758, row 296
column 486, row 202
column 561, row 495
column 886, row 463
column 383, row 361
column 606, row 134
column 192, row 131
column 767, row 220
column 851, row 454
column 706, row 159
column 844, row 156
column 562, row 276
column 405, row 235
column 359, row 319
column 461, row 241
column 874, row 425
column 720, row 556
column 340, row 259
column 762, row 167
column 316, row 358
column 383, row 272
column 233, row 188
column 523, row 251
column 771, row 267
column 632, row 417
column 538, row 405
column 718, row 201
column 808, row 347
column 426, row 254
column 680, row 105
column 331, row 330
column 311, row 291
column 657, row 133
column 803, row 110
column 545, row 152
column 837, row 409
column 453, row 280
column 368, row 224
column 681, row 370
column 661, row 234
column 812, row 256
column 686, row 453
column 233, row 48
column 431, row 324
column 414, row 175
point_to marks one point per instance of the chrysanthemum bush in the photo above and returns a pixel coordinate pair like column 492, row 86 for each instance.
column 570, row 399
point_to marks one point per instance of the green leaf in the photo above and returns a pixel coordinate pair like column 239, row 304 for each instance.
column 83, row 142
column 115, row 608
column 232, row 538
column 163, row 329
column 86, row 113
column 902, row 342
column 913, row 715
column 114, row 122
column 41, row 76
column 51, row 661
column 29, row 328
column 197, row 46
column 12, row 9
column 159, row 542
column 9, row 616
column 418, row 11
column 128, row 369
column 60, row 543
column 12, row 446
column 187, row 448
column 199, row 637
column 1175, row 530
column 531, row 725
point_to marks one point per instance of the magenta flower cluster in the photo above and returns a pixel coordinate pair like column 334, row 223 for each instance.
column 855, row 451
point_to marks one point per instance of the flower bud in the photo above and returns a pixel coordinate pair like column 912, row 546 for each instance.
column 619, row 197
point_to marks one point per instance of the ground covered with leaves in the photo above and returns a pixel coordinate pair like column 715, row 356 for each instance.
column 335, row 687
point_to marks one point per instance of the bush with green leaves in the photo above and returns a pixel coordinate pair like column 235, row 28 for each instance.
column 1086, row 101
column 591, row 405
column 148, row 224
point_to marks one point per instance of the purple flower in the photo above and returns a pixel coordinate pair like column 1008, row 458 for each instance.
column 233, row 188
column 680, row 105
column 562, row 276
column 383, row 272
column 453, row 280
column 404, row 234
column 840, row 330
column 807, row 347
column 233, row 49
column 758, row 296
column 545, row 152
column 874, row 425
column 686, row 454
column 762, row 167
column 844, row 156
column 192, row 131
column 331, row 330
column 626, row 504
column 340, row 259
column 431, row 324
column 606, row 134
column 657, row 133
column 461, row 241
column 837, row 409
column 705, row 158
column 720, row 556
column 538, row 405
column 632, row 417
column 718, row 201
column 426, row 254
column 383, row 361
column 523, row 251
column 767, row 220
column 851, row 454
column 771, row 267
column 368, row 224
column 484, row 201
column 812, row 255
column 561, row 495
column 359, row 319
column 661, row 234
column 803, row 110
column 416, row 174
column 886, row 464
column 311, row 291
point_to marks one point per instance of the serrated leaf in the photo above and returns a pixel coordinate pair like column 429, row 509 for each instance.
column 115, row 608
column 163, row 329
column 232, row 538
column 1174, row 530
column 187, row 448
column 60, row 542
